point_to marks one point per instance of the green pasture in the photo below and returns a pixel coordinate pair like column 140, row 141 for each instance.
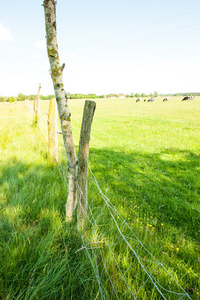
column 145, row 157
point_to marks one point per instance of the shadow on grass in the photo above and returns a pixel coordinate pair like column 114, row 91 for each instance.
column 37, row 246
column 158, row 196
column 38, row 258
column 165, row 184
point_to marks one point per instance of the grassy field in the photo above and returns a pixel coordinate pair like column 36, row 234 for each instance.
column 145, row 157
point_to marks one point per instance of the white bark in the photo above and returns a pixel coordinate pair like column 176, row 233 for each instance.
column 63, row 109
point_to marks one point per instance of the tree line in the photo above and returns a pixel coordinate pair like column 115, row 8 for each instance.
column 22, row 97
column 181, row 94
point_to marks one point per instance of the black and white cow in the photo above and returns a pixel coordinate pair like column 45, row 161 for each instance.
column 152, row 99
column 166, row 99
column 139, row 99
column 186, row 98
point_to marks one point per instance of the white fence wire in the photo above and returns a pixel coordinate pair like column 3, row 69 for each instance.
column 123, row 266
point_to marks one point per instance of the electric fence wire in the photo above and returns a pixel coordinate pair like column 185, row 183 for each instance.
column 115, row 215
column 97, row 234
column 149, row 273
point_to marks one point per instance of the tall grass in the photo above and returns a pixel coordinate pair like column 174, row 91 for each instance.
column 37, row 247
column 145, row 157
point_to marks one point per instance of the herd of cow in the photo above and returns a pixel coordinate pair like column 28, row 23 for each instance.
column 153, row 99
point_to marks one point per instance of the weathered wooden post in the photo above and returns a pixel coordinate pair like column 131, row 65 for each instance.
column 82, row 198
column 36, row 106
column 52, row 131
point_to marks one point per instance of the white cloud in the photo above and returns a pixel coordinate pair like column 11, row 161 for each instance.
column 5, row 34
column 14, row 48
column 40, row 44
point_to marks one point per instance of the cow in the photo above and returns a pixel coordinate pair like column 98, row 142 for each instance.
column 139, row 99
column 186, row 98
column 166, row 99
column 152, row 99
column 145, row 100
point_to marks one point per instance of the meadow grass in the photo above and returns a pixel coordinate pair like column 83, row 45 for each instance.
column 145, row 157
column 37, row 247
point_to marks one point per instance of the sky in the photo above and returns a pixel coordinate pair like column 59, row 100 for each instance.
column 108, row 46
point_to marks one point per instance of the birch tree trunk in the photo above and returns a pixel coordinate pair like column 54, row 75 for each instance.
column 63, row 109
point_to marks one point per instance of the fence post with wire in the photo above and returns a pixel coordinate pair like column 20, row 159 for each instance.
column 82, row 201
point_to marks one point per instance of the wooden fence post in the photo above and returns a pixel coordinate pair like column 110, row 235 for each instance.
column 52, row 131
column 82, row 199
column 36, row 105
